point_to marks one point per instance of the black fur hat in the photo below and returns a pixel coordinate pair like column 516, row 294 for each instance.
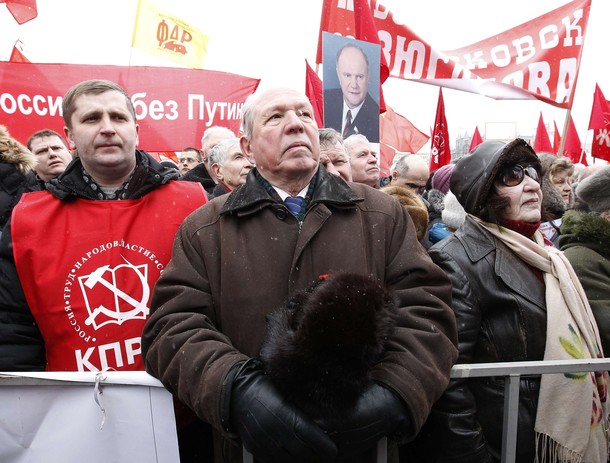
column 320, row 347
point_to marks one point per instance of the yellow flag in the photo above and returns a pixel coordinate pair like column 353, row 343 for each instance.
column 163, row 34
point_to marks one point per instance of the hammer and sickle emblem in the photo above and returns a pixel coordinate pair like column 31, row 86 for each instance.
column 139, row 307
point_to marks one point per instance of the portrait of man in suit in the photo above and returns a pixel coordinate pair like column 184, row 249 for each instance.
column 351, row 109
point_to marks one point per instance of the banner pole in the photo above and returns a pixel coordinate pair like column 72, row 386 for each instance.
column 565, row 132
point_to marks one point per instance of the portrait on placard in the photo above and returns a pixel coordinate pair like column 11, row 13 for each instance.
column 351, row 86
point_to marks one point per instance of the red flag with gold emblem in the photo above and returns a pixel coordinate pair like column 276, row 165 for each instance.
column 440, row 151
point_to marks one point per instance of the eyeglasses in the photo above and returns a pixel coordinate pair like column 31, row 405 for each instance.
column 514, row 175
column 415, row 187
column 187, row 160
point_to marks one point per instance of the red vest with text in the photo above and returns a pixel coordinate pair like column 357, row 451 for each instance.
column 88, row 268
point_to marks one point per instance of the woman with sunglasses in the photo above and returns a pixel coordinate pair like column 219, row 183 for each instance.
column 514, row 298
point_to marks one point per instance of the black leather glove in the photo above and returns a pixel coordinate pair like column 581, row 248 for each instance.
column 379, row 412
column 270, row 428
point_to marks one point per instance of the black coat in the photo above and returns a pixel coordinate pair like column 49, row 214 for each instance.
column 200, row 174
column 500, row 310
column 366, row 121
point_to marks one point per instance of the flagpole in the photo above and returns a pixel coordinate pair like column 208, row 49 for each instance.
column 582, row 148
column 566, row 123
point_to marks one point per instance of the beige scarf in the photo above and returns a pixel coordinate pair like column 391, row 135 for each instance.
column 572, row 416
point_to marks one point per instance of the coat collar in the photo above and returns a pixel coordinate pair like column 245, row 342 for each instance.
column 252, row 196
column 149, row 174
column 508, row 267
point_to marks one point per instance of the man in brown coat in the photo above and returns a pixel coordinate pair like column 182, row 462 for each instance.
column 242, row 255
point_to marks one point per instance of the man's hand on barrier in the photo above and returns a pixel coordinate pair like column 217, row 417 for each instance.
column 379, row 412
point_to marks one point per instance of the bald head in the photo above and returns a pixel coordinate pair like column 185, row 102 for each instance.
column 411, row 172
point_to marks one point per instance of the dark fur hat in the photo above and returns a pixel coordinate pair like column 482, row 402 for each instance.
column 320, row 347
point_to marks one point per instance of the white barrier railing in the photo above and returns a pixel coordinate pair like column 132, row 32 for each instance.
column 512, row 373
column 65, row 419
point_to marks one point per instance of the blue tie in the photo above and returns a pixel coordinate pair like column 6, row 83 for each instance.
column 294, row 204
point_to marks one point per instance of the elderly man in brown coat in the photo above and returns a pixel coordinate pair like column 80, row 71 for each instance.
column 242, row 255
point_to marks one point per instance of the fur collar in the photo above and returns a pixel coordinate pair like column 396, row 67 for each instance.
column 584, row 229
column 14, row 153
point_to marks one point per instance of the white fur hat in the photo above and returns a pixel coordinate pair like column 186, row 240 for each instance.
column 453, row 214
column 595, row 190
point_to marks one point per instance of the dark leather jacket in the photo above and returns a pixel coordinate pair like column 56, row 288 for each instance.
column 499, row 304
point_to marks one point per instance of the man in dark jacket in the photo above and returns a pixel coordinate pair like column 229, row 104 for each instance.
column 78, row 261
column 245, row 253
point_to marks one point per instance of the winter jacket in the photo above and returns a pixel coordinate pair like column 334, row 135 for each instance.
column 21, row 344
column 585, row 241
column 200, row 174
column 500, row 311
column 242, row 255
column 434, row 200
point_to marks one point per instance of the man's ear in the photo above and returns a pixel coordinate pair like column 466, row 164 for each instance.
column 69, row 139
column 216, row 171
column 245, row 146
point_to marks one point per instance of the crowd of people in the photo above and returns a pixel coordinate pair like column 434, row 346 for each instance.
column 245, row 254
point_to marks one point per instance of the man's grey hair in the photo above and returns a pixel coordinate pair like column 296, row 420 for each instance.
column 214, row 130
column 402, row 166
column 329, row 137
column 352, row 140
column 218, row 154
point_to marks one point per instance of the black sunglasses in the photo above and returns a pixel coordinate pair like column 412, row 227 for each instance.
column 514, row 175
column 416, row 187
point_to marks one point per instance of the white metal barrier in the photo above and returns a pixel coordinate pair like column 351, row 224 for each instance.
column 68, row 417
column 51, row 417
column 512, row 373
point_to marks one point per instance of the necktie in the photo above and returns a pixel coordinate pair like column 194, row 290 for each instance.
column 348, row 124
column 294, row 204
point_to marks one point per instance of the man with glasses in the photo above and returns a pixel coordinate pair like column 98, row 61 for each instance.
column 411, row 172
column 189, row 159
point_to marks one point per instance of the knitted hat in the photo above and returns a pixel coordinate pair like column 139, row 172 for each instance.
column 414, row 205
column 595, row 190
column 453, row 214
column 441, row 177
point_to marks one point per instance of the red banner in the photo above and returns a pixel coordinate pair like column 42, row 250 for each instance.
column 173, row 105
column 539, row 59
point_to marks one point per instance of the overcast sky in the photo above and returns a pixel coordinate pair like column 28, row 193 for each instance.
column 271, row 39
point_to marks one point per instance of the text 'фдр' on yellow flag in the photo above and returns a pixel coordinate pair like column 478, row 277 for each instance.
column 162, row 34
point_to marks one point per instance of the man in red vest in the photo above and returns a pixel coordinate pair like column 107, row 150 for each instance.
column 79, row 261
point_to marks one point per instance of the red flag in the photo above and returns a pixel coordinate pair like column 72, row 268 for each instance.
column 440, row 152
column 600, row 123
column 22, row 10
column 17, row 55
column 556, row 139
column 313, row 90
column 476, row 139
column 572, row 147
column 542, row 142
column 600, row 112
column 398, row 134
